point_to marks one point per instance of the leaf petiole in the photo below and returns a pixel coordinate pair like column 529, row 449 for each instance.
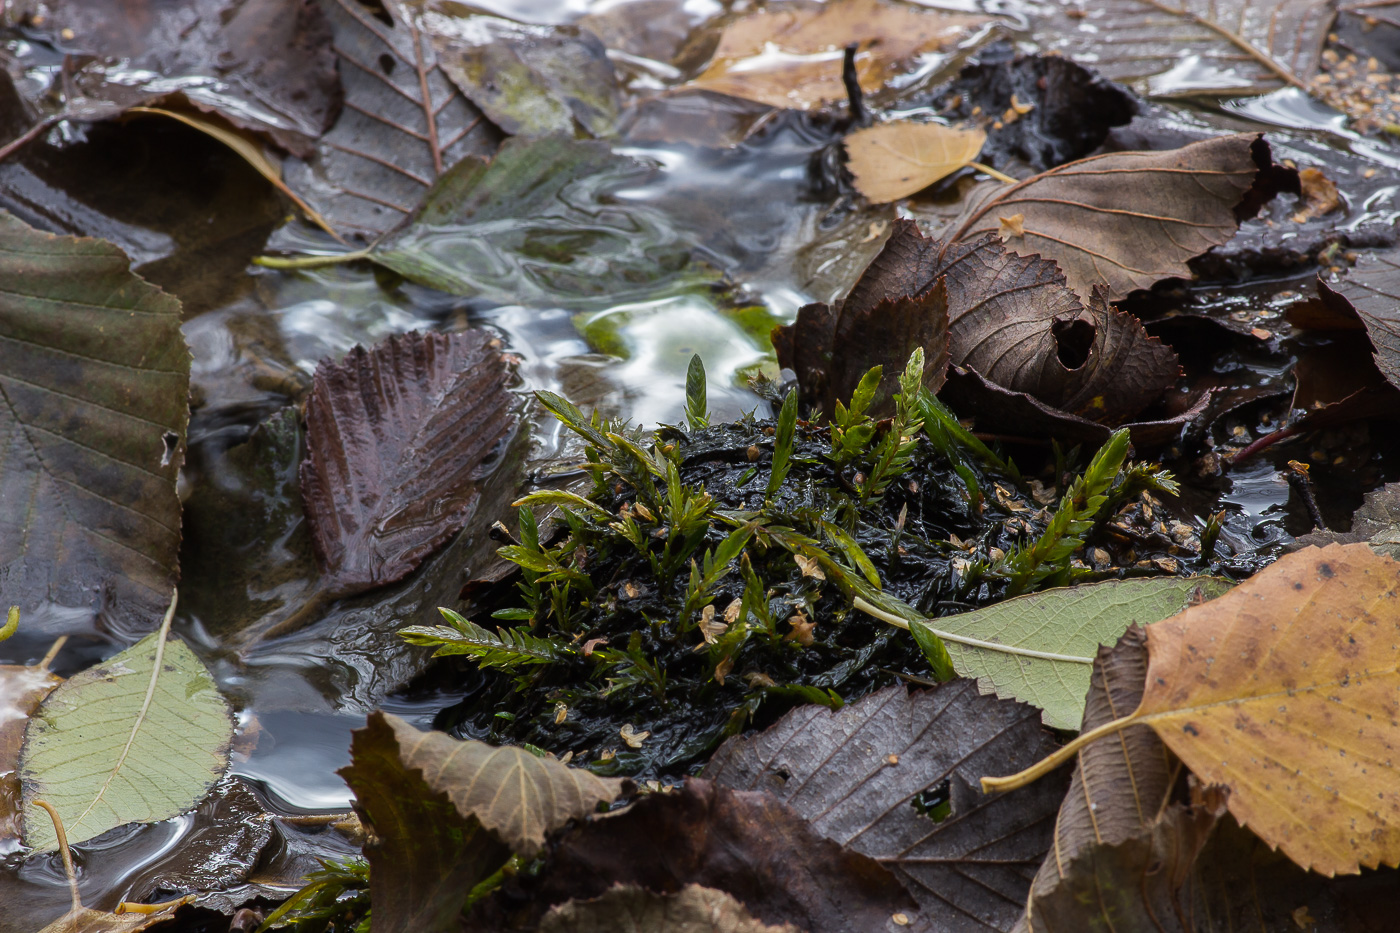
column 895, row 620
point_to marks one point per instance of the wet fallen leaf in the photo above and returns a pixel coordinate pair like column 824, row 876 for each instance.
column 139, row 737
column 790, row 56
column 398, row 438
column 1283, row 692
column 1040, row 648
column 539, row 225
column 974, row 863
column 528, row 79
column 87, row 920
column 404, row 124
column 263, row 65
column 516, row 795
column 630, row 909
column 425, row 854
column 95, row 377
column 1181, row 47
column 748, row 845
column 22, row 688
column 1319, row 195
column 1370, row 291
column 1376, row 522
column 894, row 160
column 1128, row 220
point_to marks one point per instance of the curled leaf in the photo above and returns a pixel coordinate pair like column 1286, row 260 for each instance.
column 894, row 160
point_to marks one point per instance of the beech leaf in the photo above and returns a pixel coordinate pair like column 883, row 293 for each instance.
column 895, row 160
column 857, row 773
column 630, row 909
column 139, row 737
column 94, row 373
column 1069, row 622
column 1128, row 220
column 790, row 57
column 519, row 796
column 404, row 124
column 1283, row 691
column 398, row 438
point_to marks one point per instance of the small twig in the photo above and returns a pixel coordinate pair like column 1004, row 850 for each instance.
column 27, row 137
column 53, row 651
column 1265, row 442
column 64, row 851
column 860, row 114
column 988, row 170
column 1300, row 483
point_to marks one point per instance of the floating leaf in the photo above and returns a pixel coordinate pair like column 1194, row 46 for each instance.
column 137, row 738
column 518, row 796
column 1040, row 648
column 1187, row 47
column 749, row 845
column 1281, row 691
column 630, row 909
column 1370, row 291
column 397, row 439
column 95, row 377
column 894, row 160
column 858, row 774
column 791, row 56
column 1128, row 219
column 424, row 854
column 404, row 124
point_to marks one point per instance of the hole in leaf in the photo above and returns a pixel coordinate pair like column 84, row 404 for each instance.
column 936, row 802
column 172, row 444
column 376, row 9
column 1073, row 341
column 386, row 63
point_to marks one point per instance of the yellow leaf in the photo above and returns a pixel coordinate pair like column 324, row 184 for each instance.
column 791, row 57
column 895, row 160
column 1286, row 690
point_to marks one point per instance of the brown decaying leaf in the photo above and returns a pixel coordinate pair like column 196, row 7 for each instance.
column 749, row 845
column 630, row 909
column 1129, row 219
column 425, row 854
column 404, row 124
column 790, row 56
column 263, row 65
column 894, row 160
column 87, row 920
column 972, row 869
column 94, row 373
column 397, row 439
column 22, row 689
column 1284, row 691
column 1235, row 46
column 1370, row 291
column 886, row 337
column 519, row 796
column 1376, row 522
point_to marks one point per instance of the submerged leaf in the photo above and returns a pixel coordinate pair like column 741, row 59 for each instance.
column 894, row 160
column 631, row 909
column 404, row 124
column 95, row 377
column 518, row 796
column 863, row 773
column 425, row 855
column 139, row 737
column 397, row 440
column 1370, row 291
column 1070, row 622
column 790, row 56
column 1376, row 522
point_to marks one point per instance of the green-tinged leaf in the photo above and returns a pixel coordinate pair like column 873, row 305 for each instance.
column 425, row 855
column 853, row 552
column 1040, row 648
column 94, row 374
column 783, row 443
column 137, row 738
column 519, row 797
column 935, row 652
column 11, row 623
column 692, row 909
column 573, row 419
column 565, row 499
column 865, row 391
column 510, row 649
column 697, row 407
column 537, row 225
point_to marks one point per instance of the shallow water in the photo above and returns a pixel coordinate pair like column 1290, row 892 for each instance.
column 756, row 212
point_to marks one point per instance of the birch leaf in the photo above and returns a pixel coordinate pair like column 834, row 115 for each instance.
column 895, row 160
column 139, row 737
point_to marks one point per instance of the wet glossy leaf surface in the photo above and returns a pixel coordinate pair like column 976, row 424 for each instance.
column 693, row 909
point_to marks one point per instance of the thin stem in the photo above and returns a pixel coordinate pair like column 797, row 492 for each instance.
column 1050, row 763
column 895, row 620
column 309, row 262
column 988, row 170
column 28, row 136
column 63, row 850
column 53, row 651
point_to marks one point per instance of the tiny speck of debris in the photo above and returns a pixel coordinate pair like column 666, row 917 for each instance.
column 901, row 919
